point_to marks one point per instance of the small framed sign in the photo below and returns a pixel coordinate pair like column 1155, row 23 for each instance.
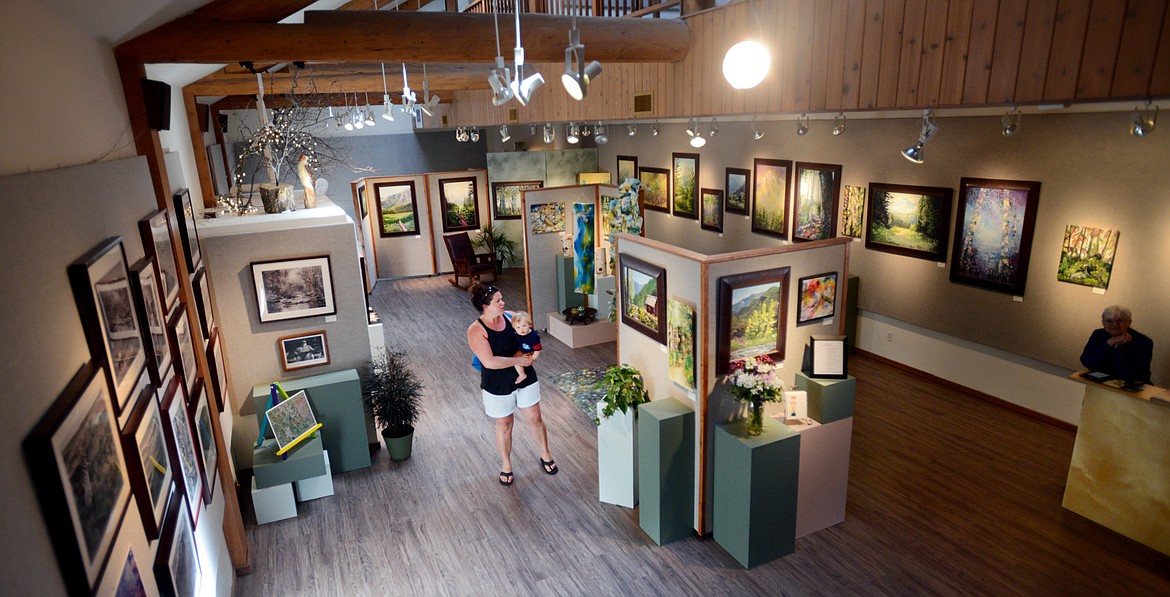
column 827, row 358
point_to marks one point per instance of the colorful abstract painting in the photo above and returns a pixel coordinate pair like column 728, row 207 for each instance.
column 818, row 298
column 685, row 184
column 1086, row 257
column 770, row 197
column 583, row 242
column 853, row 210
column 815, row 212
column 680, row 342
column 993, row 233
column 546, row 218
column 655, row 189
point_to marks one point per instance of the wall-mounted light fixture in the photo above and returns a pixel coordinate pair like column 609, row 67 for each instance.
column 929, row 128
column 1143, row 121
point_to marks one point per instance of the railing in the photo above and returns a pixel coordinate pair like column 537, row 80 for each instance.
column 580, row 8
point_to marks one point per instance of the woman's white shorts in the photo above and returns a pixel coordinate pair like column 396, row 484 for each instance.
column 498, row 407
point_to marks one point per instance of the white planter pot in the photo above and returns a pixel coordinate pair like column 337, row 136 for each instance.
column 617, row 458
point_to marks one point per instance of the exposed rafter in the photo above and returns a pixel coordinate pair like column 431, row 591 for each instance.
column 341, row 78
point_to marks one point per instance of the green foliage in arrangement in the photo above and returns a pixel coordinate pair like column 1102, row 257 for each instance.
column 624, row 389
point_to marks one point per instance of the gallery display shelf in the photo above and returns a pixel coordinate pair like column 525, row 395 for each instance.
column 576, row 336
column 227, row 224
column 278, row 484
column 336, row 399
column 829, row 400
column 666, row 470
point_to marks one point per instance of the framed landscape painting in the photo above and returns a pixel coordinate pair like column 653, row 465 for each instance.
column 680, row 342
column 156, row 242
column 752, row 317
column 852, row 211
column 684, row 184
column 818, row 298
column 738, row 195
column 770, row 196
column 148, row 459
column 643, row 288
column 909, row 220
column 993, row 233
column 303, row 350
column 506, row 197
column 627, row 167
column 655, row 188
column 398, row 206
column 459, row 204
column 711, row 209
column 1086, row 256
column 814, row 215
column 293, row 288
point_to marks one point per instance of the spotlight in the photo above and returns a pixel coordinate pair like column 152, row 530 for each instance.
column 504, row 136
column 692, row 128
column 532, row 130
column 698, row 141
column 388, row 113
column 369, row 114
column 586, row 131
column 577, row 75
column 459, row 134
column 914, row 153
column 599, row 134
column 475, row 134
column 549, row 132
column 501, row 93
column 839, row 124
column 523, row 87
column 572, row 133
column 358, row 120
column 713, row 129
column 329, row 120
column 1143, row 122
column 654, row 130
column 756, row 133
column 746, row 64
column 348, row 124
column 632, row 129
column 1010, row 122
column 802, row 125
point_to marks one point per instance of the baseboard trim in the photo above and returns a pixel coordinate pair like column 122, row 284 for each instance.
column 969, row 391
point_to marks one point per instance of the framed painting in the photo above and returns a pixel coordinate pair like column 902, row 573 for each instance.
column 738, row 195
column 818, row 298
column 148, row 461
column 459, row 204
column 176, row 563
column 144, row 285
column 584, row 248
column 643, row 288
column 909, row 220
column 814, row 212
column 202, row 288
column 398, row 205
column 680, row 342
column 293, row 288
column 546, row 218
column 303, row 350
column 177, row 428
column 506, row 198
column 594, row 178
column 627, row 168
column 1086, row 256
column 155, row 230
column 753, row 316
column 200, row 411
column 770, row 196
column 292, row 419
column 994, row 223
column 217, row 371
column 684, row 184
column 711, row 209
column 122, row 576
column 75, row 459
column 183, row 346
column 361, row 201
column 105, row 303
column 852, row 210
column 188, row 232
column 655, row 188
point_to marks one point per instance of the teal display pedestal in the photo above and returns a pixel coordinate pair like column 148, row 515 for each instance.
column 829, row 400
column 304, row 462
column 336, row 399
column 756, row 491
column 666, row 470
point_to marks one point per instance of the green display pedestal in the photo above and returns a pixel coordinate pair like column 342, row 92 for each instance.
column 829, row 400
column 336, row 399
column 666, row 470
column 304, row 462
column 756, row 491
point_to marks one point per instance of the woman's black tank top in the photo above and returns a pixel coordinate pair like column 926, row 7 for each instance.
column 504, row 343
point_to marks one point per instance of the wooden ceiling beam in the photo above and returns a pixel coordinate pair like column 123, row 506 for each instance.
column 254, row 11
column 400, row 36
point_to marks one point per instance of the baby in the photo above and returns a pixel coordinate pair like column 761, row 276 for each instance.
column 529, row 340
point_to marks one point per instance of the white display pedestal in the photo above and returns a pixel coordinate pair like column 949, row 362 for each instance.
column 273, row 503
column 576, row 336
column 617, row 458
column 824, row 475
column 377, row 341
column 317, row 487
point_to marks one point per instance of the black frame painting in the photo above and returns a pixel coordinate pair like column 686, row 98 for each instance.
column 179, row 432
column 649, row 197
column 739, row 190
column 199, row 414
column 764, row 180
column 281, row 284
column 930, row 226
column 628, row 264
column 994, row 223
column 153, row 319
column 627, row 167
column 188, row 232
column 817, row 197
column 149, row 461
column 726, row 326
column 183, row 349
column 386, row 229
column 816, row 298
column 711, row 209
column 502, row 208
column 454, row 221
column 217, row 371
column 202, row 289
column 684, row 185
column 155, row 230
column 176, row 564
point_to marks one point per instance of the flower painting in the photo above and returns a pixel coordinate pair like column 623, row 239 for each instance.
column 685, row 184
column 909, row 220
column 546, row 218
column 583, row 242
column 655, row 189
column 1086, row 257
column 852, row 211
column 770, row 197
column 814, row 216
column 712, row 210
column 397, row 206
column 752, row 310
column 737, row 190
column 993, row 233
column 818, row 298
column 458, row 204
column 680, row 342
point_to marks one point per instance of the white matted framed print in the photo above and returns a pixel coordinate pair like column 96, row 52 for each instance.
column 148, row 460
column 293, row 288
column 176, row 563
column 304, row 350
column 199, row 409
column 177, row 427
column 184, row 346
column 144, row 283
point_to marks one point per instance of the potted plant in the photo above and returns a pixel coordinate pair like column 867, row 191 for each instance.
column 498, row 243
column 617, row 437
column 392, row 394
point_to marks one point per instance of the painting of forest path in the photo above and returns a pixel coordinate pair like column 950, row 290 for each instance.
column 815, row 213
column 398, row 208
column 460, row 208
column 680, row 342
column 655, row 189
column 1086, row 257
column 852, row 211
column 583, row 240
column 685, row 184
column 754, row 328
column 770, row 197
column 909, row 220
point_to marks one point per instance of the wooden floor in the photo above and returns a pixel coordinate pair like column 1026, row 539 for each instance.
column 948, row 495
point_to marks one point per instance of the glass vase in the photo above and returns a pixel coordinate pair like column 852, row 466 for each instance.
column 756, row 419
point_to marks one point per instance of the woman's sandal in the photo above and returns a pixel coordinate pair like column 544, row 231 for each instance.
column 505, row 479
column 550, row 467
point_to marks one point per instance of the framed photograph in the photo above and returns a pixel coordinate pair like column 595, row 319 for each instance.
column 184, row 346
column 361, row 201
column 627, row 167
column 176, row 563
column 655, row 188
column 770, row 196
column 506, row 197
column 75, row 459
column 680, row 342
column 814, row 213
column 1086, row 256
column 738, row 195
column 711, row 210
column 993, row 233
column 292, row 419
column 148, row 461
column 144, row 285
column 643, row 288
column 818, row 298
column 293, row 288
column 200, row 411
column 202, row 288
column 828, row 357
column 217, row 371
column 101, row 287
column 122, row 576
column 155, row 230
column 546, row 218
column 398, row 205
column 852, row 211
column 909, row 220
column 459, row 204
column 188, row 233
column 753, row 316
column 684, row 184
column 303, row 350
column 177, row 428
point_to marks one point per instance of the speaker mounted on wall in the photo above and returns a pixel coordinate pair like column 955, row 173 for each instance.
column 157, row 97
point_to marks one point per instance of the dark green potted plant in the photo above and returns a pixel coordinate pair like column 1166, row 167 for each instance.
column 624, row 389
column 393, row 397
column 498, row 243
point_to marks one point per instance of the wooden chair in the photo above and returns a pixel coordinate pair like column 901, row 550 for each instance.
column 467, row 263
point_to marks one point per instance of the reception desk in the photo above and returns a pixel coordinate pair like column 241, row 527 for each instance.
column 1120, row 471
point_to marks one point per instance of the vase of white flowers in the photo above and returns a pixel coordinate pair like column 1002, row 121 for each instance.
column 755, row 380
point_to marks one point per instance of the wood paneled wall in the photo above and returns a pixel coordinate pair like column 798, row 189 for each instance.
column 859, row 55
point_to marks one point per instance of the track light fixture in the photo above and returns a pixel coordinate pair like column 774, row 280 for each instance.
column 802, row 125
column 586, row 131
column 474, row 134
column 599, row 134
column 408, row 97
column 459, row 134
column 500, row 75
column 838, row 124
column 387, row 113
column 756, row 133
column 572, row 133
column 504, row 136
column 1010, row 122
column 929, row 128
column 697, row 140
column 348, row 116
column 523, row 87
column 632, row 129
column 1143, row 121
column 369, row 112
column 430, row 102
column 532, row 130
column 577, row 75
column 549, row 132
column 713, row 129
column 654, row 130
column 692, row 127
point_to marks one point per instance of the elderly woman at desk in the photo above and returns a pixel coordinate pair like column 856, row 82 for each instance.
column 1117, row 349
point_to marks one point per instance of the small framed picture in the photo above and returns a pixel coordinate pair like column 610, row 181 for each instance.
column 643, row 292
column 738, row 190
column 827, row 357
column 177, row 427
column 202, row 288
column 303, row 350
column 144, row 284
column 398, row 208
column 818, row 298
column 155, row 230
column 199, row 409
column 188, row 232
column 176, row 565
column 506, row 197
column 292, row 420
column 655, row 188
column 627, row 167
column 293, row 288
column 217, row 371
column 184, row 346
column 711, row 210
column 684, row 184
column 148, row 459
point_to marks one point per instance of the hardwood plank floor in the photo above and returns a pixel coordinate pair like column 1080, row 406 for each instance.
column 948, row 495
